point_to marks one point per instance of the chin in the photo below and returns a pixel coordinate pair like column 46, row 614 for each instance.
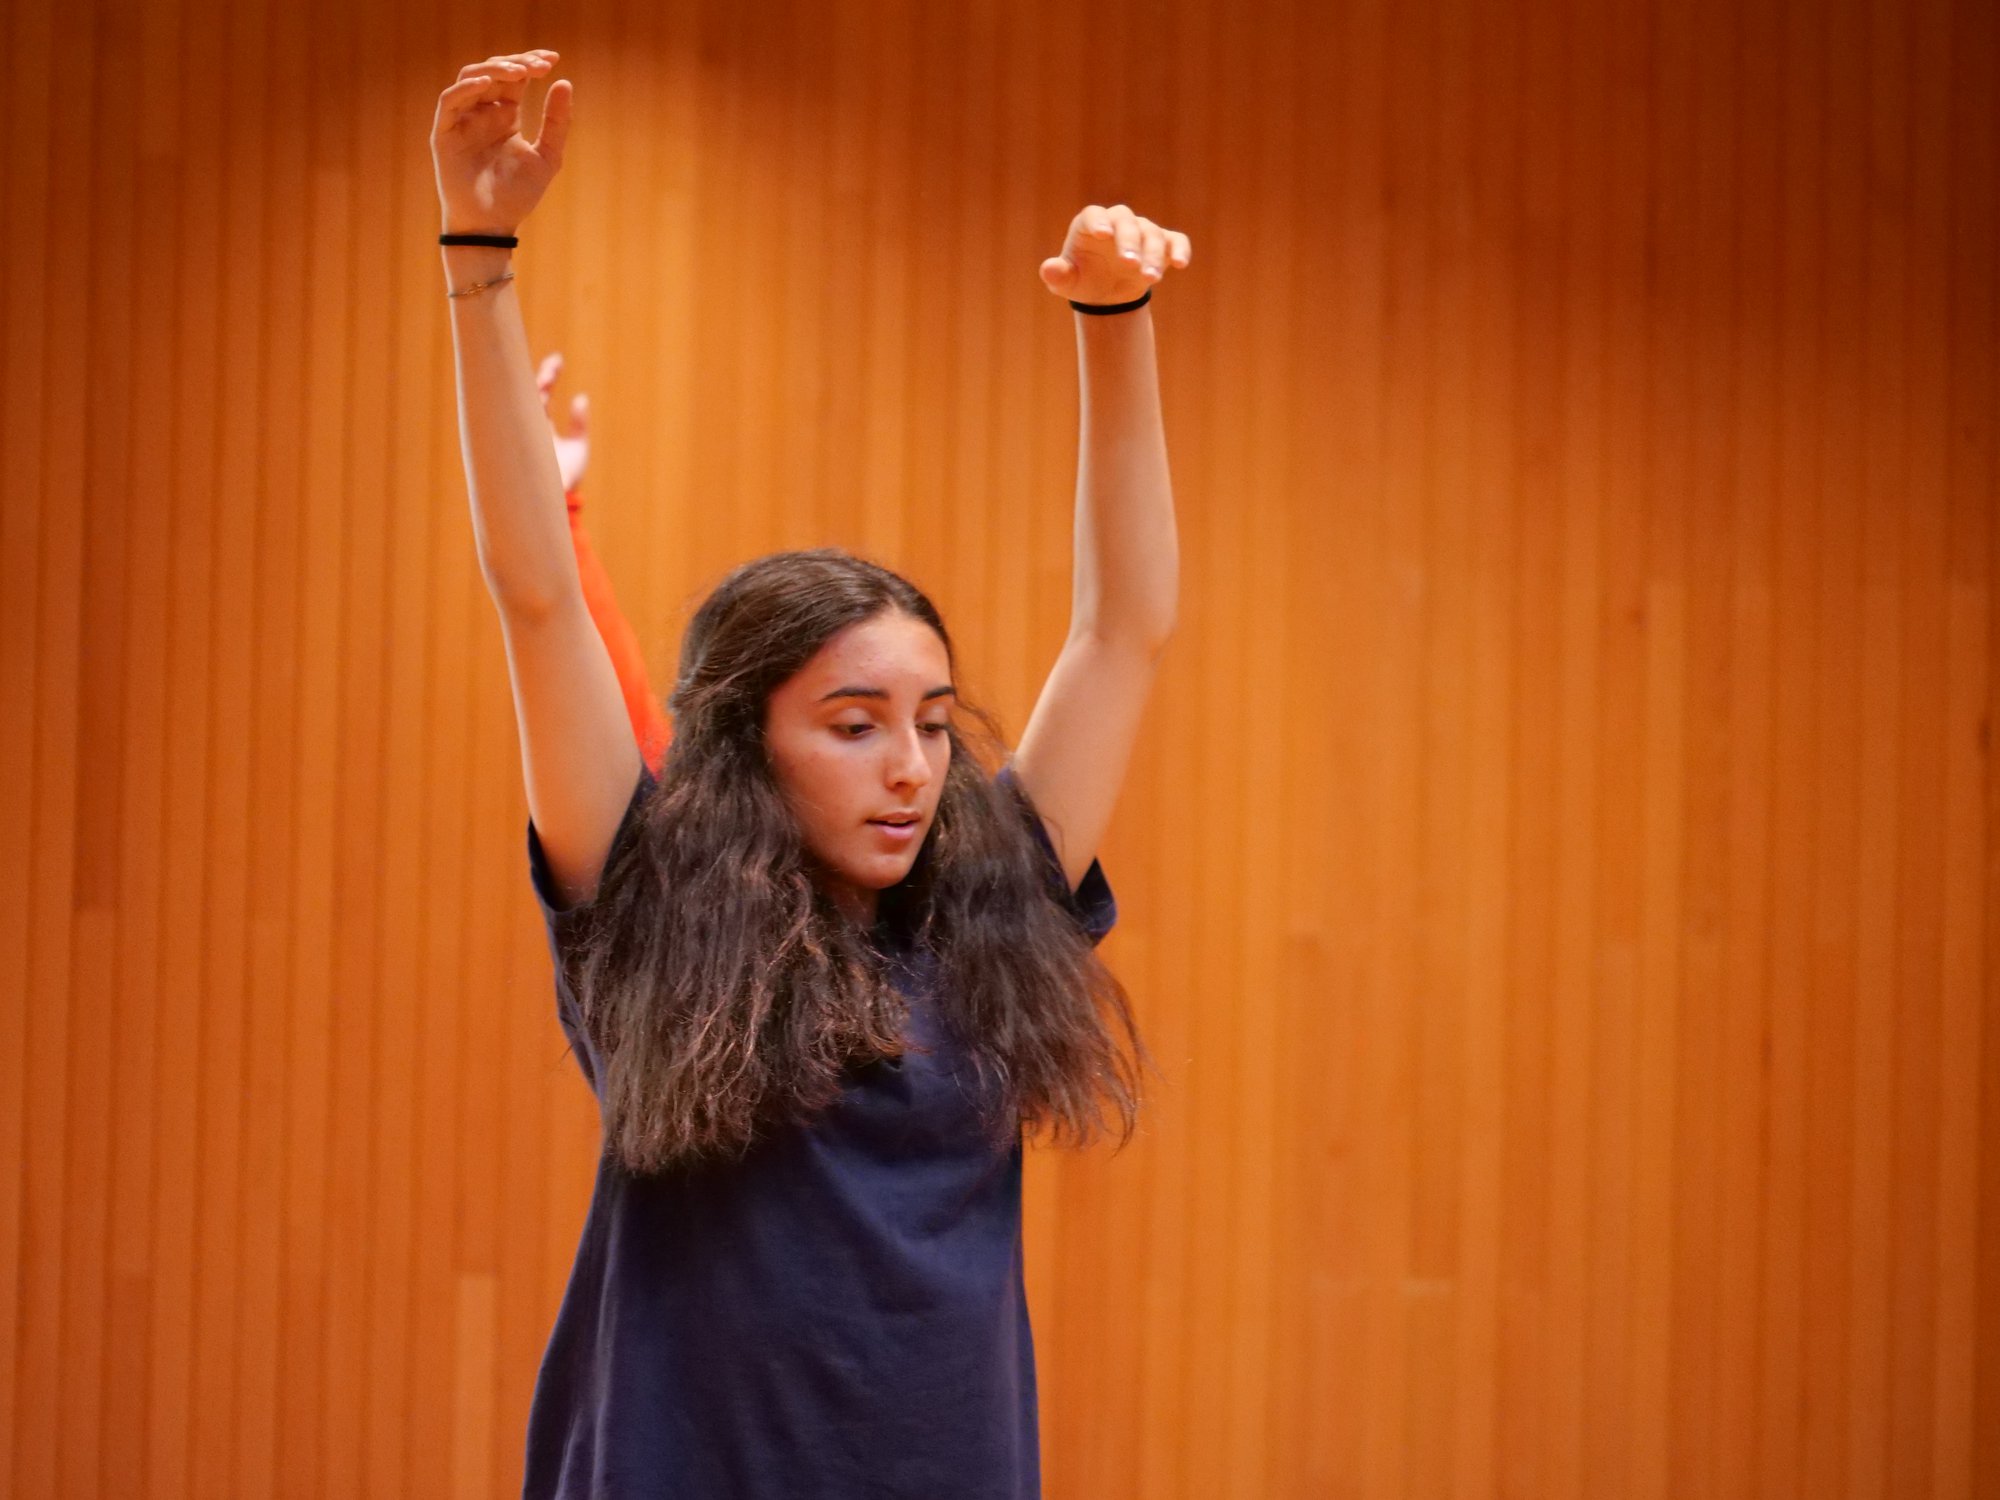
column 893, row 869
column 889, row 873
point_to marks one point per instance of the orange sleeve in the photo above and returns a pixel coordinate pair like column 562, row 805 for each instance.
column 649, row 723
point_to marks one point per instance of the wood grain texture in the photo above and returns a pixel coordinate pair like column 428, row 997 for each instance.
column 1558, row 882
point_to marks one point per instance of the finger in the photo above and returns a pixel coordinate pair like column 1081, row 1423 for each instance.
column 493, row 68
column 1058, row 273
column 523, row 61
column 1125, row 228
column 469, row 87
column 460, row 100
column 1153, row 249
column 479, row 116
column 1095, row 221
column 579, row 412
column 555, row 123
column 1181, row 248
column 510, row 80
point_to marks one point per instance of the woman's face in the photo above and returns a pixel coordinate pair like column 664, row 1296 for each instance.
column 859, row 734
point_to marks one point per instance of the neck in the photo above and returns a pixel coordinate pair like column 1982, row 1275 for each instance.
column 859, row 903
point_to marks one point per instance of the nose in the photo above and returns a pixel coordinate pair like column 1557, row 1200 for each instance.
column 909, row 765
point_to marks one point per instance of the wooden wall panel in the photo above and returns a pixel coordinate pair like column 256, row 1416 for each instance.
column 1558, row 881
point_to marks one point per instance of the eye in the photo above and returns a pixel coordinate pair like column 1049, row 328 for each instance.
column 855, row 731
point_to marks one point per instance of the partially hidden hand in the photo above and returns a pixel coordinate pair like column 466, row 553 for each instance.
column 1113, row 255
column 573, row 451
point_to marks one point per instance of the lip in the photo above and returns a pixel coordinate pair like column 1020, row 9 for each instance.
column 902, row 834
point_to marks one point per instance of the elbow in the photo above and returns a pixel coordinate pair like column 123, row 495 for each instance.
column 523, row 601
column 1147, row 638
column 1155, row 637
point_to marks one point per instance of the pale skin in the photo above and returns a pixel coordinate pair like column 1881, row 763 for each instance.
column 843, row 762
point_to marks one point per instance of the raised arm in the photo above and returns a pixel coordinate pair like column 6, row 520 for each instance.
column 1078, row 742
column 577, row 751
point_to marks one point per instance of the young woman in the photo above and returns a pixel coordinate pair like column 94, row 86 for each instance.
column 824, row 971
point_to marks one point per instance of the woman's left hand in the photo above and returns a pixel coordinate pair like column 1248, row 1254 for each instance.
column 1113, row 255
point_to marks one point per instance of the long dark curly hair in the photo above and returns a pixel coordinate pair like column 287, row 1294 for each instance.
column 723, row 989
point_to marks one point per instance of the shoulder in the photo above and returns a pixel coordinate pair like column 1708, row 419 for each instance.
column 1092, row 902
column 541, row 878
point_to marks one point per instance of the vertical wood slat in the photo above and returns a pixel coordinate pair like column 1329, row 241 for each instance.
column 1576, row 1087
column 1267, row 432
column 220, row 542
column 1793, row 1136
column 1967, row 1423
column 1486, row 120
column 407, row 365
column 1743, row 1174
column 23, row 172
column 239, row 1275
column 1881, row 488
column 1924, row 731
column 65, row 1141
column 1620, row 835
column 119, row 801
column 421, row 746
column 1694, row 132
column 1836, row 1067
column 1700, row 51
column 1386, row 1084
column 277, row 1352
column 1555, row 1426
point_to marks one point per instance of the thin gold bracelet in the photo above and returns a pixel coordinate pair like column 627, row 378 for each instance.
column 480, row 286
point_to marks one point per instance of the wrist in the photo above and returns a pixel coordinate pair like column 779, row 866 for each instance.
column 448, row 225
column 464, row 263
column 1108, row 310
column 476, row 255
column 1115, row 330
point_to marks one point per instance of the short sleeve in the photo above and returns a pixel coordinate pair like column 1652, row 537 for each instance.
column 1092, row 903
column 562, row 918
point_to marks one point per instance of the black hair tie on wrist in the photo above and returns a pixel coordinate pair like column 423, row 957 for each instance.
column 500, row 241
column 1099, row 309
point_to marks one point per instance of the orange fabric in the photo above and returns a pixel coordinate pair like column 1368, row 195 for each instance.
column 649, row 722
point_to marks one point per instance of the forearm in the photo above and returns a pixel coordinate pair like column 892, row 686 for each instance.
column 1127, row 582
column 519, row 519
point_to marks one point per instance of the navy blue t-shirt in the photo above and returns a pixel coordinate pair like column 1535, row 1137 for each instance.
column 840, row 1314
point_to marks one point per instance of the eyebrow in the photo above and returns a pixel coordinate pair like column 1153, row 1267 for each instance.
column 946, row 691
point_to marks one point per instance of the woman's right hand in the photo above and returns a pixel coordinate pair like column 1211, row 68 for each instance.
column 488, row 177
